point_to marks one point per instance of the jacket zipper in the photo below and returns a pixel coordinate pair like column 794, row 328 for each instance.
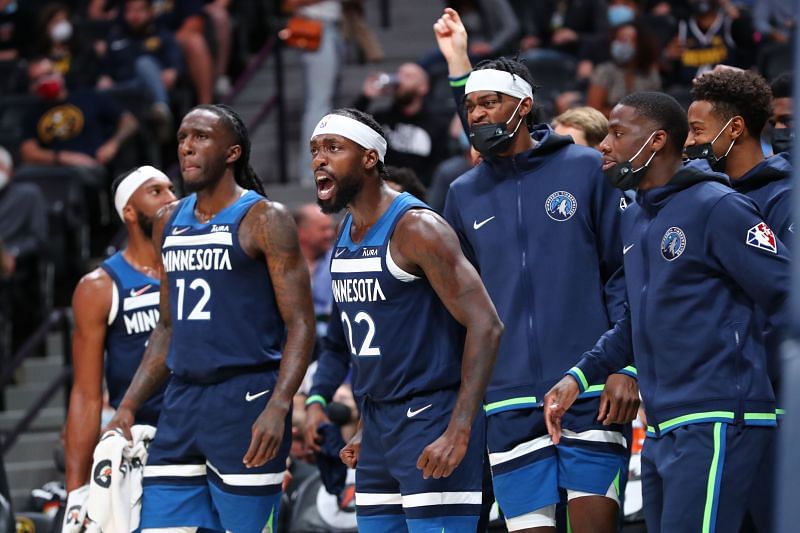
column 523, row 242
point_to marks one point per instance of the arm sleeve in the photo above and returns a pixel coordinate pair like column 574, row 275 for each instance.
column 614, row 350
column 453, row 217
column 607, row 221
column 743, row 247
column 504, row 24
column 780, row 217
column 457, row 86
column 334, row 362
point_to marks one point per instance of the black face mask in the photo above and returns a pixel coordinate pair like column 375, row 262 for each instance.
column 706, row 151
column 494, row 139
column 782, row 140
column 624, row 176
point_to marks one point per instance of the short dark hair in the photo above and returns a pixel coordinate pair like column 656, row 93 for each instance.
column 737, row 92
column 368, row 120
column 665, row 111
column 407, row 179
column 517, row 68
column 782, row 86
column 243, row 173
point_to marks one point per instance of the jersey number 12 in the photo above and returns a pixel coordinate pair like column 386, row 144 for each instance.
column 366, row 350
column 199, row 311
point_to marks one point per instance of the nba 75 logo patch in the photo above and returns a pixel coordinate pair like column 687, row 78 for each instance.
column 760, row 236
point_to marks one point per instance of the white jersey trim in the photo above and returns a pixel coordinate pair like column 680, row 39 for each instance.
column 520, row 450
column 596, row 435
column 395, row 270
column 248, row 480
column 426, row 499
column 361, row 264
column 112, row 313
column 143, row 300
column 174, row 470
column 223, row 238
column 377, row 498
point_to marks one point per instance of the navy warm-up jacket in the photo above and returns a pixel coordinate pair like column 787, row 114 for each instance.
column 699, row 263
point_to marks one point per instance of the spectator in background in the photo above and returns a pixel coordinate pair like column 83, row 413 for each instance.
column 23, row 234
column 9, row 30
column 220, row 17
column 633, row 67
column 781, row 119
column 561, row 25
column 775, row 20
column 185, row 19
column 55, row 38
column 68, row 128
column 320, row 72
column 143, row 55
column 415, row 131
column 586, row 125
column 316, row 232
column 404, row 179
column 711, row 35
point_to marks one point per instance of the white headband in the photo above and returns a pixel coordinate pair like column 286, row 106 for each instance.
column 500, row 81
column 359, row 133
column 133, row 181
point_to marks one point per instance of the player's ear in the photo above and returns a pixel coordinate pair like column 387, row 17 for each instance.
column 370, row 159
column 659, row 140
column 234, row 153
column 129, row 214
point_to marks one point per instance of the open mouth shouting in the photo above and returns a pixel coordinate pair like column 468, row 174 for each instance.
column 325, row 185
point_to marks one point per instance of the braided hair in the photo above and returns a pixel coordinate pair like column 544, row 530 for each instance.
column 515, row 68
column 368, row 120
column 243, row 173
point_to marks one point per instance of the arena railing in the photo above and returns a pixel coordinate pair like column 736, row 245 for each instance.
column 58, row 319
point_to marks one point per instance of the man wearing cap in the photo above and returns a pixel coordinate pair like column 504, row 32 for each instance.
column 115, row 308
column 420, row 331
column 541, row 224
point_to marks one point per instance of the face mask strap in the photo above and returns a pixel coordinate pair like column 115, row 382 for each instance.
column 513, row 113
column 640, row 151
column 720, row 133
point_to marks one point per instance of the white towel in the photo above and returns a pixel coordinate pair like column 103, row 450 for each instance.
column 115, row 490
column 76, row 519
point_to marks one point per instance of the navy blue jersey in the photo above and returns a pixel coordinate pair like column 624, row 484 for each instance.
column 402, row 339
column 225, row 319
column 133, row 316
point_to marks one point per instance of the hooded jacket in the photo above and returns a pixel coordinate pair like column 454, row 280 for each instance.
column 699, row 261
column 542, row 229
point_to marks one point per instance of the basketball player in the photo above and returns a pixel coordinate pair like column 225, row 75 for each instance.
column 115, row 308
column 422, row 335
column 236, row 332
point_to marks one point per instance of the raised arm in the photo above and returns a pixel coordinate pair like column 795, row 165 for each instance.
column 270, row 229
column 425, row 243
column 91, row 303
column 152, row 371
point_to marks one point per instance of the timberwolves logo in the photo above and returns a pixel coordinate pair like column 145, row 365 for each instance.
column 673, row 243
column 102, row 473
column 560, row 206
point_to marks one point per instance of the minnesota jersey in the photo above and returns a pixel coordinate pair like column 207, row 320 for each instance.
column 133, row 316
column 225, row 319
column 402, row 339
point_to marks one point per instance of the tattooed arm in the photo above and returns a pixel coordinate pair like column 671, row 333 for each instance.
column 268, row 230
column 424, row 243
column 152, row 371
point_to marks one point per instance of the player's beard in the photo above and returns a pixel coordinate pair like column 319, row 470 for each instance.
column 145, row 224
column 346, row 191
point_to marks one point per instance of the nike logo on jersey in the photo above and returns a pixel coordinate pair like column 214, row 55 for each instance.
column 250, row 397
column 178, row 231
column 339, row 252
column 479, row 225
column 135, row 293
column 625, row 249
column 412, row 414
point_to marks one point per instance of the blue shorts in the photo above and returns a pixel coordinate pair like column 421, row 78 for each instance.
column 391, row 494
column 528, row 471
column 699, row 477
column 194, row 475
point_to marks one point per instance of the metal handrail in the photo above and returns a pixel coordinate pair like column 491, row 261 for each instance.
column 57, row 318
